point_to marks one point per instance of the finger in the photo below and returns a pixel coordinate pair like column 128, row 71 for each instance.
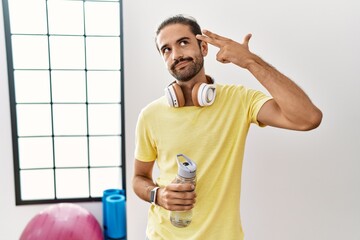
column 211, row 38
column 208, row 40
column 180, row 204
column 247, row 39
column 180, row 187
column 174, row 200
column 225, row 61
column 180, row 207
column 220, row 58
column 183, row 195
column 181, row 201
column 213, row 35
column 177, row 204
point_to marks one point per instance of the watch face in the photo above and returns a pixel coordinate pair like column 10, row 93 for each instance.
column 152, row 195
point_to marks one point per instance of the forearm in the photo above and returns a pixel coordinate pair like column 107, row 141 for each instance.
column 293, row 102
column 142, row 187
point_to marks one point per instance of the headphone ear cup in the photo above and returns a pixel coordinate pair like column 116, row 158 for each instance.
column 175, row 95
column 194, row 94
column 203, row 94
column 179, row 95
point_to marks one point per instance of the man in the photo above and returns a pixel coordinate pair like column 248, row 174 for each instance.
column 210, row 128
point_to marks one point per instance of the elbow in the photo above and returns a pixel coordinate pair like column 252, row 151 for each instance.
column 313, row 121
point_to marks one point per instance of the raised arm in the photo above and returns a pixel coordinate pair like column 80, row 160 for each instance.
column 290, row 107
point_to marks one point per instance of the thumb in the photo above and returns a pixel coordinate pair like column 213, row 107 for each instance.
column 247, row 39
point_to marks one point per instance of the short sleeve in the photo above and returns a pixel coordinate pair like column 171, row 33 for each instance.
column 257, row 100
column 145, row 149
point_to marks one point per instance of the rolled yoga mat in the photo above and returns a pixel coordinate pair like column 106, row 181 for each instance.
column 114, row 215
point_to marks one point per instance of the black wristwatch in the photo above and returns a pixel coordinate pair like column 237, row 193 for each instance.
column 153, row 195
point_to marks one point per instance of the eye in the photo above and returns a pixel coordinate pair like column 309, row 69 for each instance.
column 165, row 50
column 183, row 43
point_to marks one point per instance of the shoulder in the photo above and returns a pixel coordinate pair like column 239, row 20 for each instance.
column 231, row 91
column 154, row 106
column 239, row 96
column 229, row 87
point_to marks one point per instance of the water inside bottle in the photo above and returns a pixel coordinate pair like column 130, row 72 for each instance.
column 181, row 219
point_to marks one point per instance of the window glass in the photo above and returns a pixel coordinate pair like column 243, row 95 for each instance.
column 34, row 119
column 28, row 16
column 30, row 52
column 68, row 86
column 103, row 53
column 104, row 178
column 37, row 184
column 102, row 18
column 67, row 52
column 103, row 86
column 69, row 119
column 105, row 151
column 36, row 152
column 32, row 86
column 104, row 119
column 72, row 183
column 66, row 80
column 71, row 152
column 66, row 17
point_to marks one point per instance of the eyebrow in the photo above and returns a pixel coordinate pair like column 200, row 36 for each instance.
column 177, row 41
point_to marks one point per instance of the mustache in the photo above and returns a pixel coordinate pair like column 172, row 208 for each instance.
column 177, row 61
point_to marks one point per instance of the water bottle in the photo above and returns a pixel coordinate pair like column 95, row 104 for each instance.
column 186, row 174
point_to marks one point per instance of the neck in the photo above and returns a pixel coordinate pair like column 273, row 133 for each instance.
column 187, row 86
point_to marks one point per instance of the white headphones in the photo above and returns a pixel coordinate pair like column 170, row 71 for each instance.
column 203, row 94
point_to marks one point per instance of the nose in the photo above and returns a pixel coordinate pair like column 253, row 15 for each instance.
column 177, row 54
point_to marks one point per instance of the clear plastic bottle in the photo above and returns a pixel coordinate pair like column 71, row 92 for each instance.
column 186, row 174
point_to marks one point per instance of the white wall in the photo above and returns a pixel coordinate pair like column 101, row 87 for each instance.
column 295, row 185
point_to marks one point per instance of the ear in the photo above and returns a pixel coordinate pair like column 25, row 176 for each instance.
column 204, row 48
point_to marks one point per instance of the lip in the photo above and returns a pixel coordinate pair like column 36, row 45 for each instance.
column 182, row 64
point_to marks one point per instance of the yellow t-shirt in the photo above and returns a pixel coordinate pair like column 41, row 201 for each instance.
column 214, row 137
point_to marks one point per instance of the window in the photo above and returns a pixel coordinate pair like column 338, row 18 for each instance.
column 66, row 78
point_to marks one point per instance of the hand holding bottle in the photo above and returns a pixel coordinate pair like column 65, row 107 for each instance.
column 177, row 197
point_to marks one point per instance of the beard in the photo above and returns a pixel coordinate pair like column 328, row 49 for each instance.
column 189, row 71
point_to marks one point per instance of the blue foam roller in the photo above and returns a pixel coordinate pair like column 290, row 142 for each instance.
column 116, row 216
column 107, row 193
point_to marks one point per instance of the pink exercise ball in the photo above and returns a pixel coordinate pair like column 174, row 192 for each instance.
column 63, row 221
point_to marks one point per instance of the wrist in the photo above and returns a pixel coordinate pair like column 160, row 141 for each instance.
column 153, row 195
column 252, row 62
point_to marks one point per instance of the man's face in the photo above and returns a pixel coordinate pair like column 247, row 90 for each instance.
column 181, row 52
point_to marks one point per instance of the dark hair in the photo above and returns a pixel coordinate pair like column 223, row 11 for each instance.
column 180, row 19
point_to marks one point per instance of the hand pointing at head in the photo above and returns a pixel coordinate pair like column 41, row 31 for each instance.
column 229, row 50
